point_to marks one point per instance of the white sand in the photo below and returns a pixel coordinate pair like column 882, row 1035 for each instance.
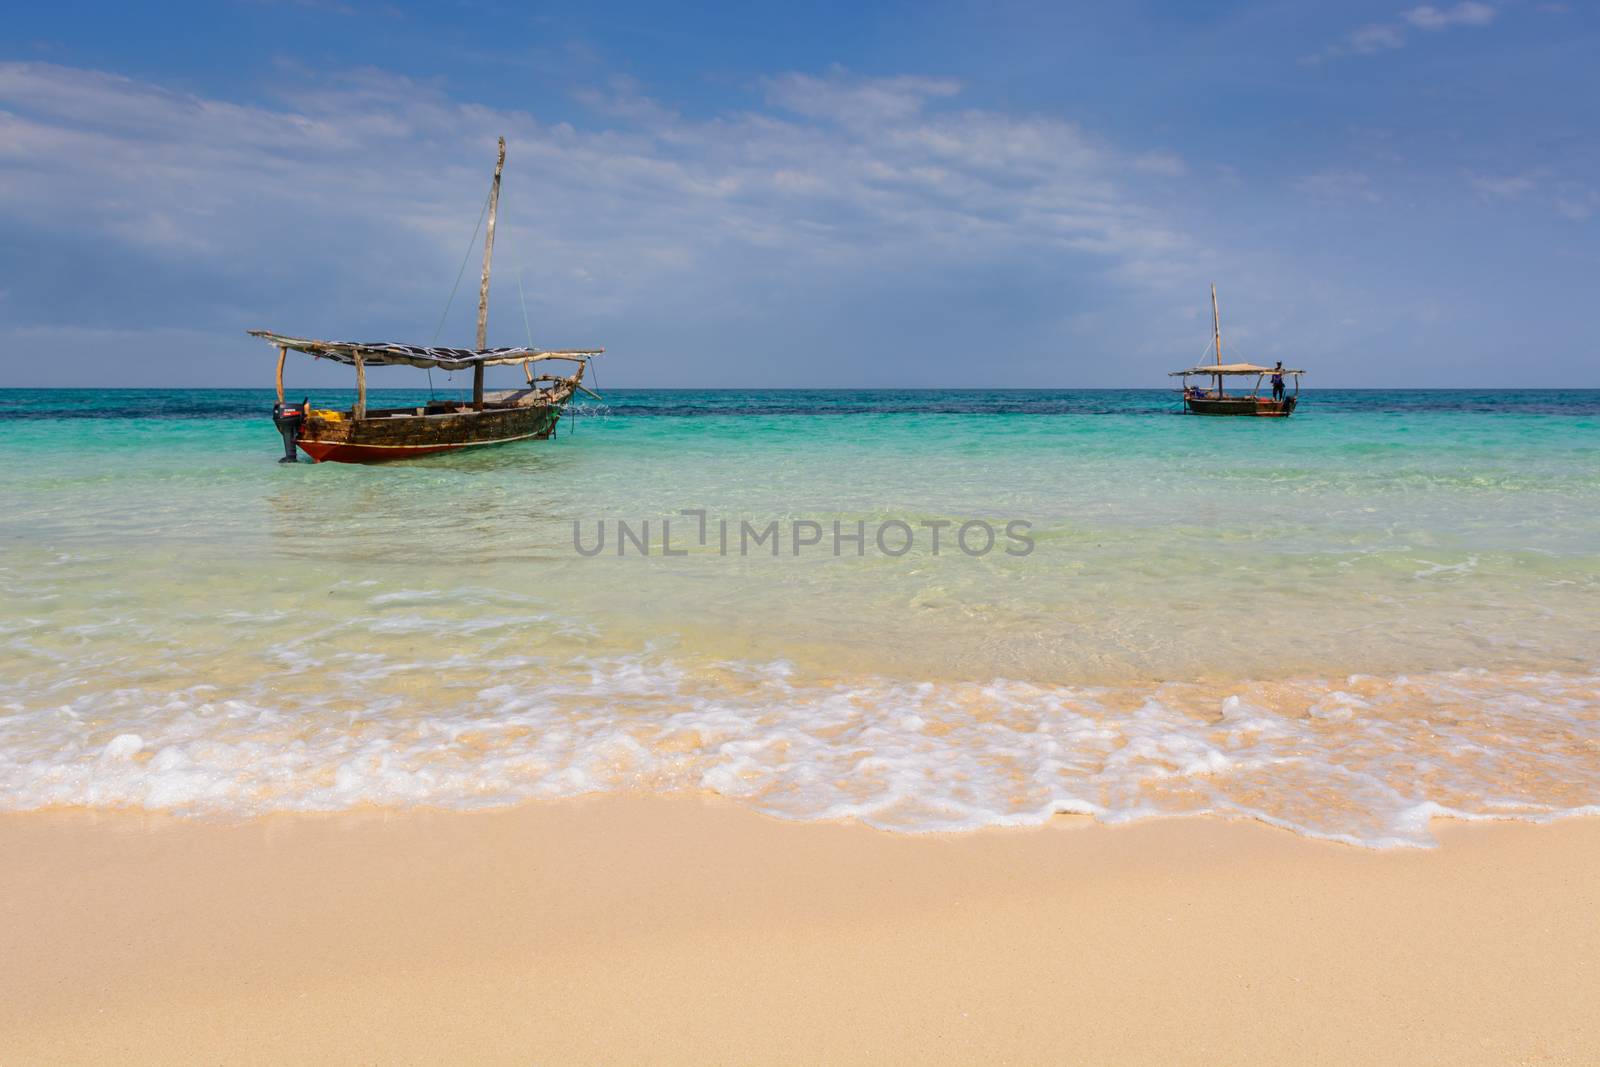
column 636, row 928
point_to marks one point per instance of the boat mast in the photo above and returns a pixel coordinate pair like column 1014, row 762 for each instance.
column 483, row 286
column 1216, row 329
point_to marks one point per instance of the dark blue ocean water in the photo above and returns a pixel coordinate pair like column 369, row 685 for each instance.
column 689, row 403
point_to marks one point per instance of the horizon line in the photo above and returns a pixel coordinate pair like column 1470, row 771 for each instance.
column 814, row 389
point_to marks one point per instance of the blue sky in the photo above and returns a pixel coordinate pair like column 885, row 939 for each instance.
column 1003, row 195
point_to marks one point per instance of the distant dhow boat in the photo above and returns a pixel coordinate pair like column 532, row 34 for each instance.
column 1216, row 400
column 363, row 435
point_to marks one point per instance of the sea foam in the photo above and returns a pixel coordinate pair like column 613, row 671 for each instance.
column 1363, row 760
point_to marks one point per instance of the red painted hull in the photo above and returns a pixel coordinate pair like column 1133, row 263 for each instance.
column 339, row 452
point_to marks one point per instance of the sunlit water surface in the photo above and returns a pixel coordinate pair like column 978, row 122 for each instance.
column 1383, row 609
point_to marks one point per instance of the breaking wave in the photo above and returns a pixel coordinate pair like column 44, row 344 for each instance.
column 1363, row 760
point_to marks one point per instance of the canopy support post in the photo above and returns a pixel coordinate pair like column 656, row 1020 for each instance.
column 360, row 411
column 483, row 287
column 283, row 354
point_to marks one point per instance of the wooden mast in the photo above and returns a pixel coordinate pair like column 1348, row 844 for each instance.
column 1216, row 332
column 483, row 286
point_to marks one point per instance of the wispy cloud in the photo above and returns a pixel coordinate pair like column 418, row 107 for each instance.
column 1577, row 202
column 839, row 97
column 1468, row 13
column 1165, row 164
column 1377, row 37
column 1387, row 36
column 839, row 173
column 1338, row 185
column 1504, row 187
column 1542, row 189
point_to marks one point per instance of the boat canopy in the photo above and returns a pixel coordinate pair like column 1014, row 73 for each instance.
column 388, row 353
column 1232, row 368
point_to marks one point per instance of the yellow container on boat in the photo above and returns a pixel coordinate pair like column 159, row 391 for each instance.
column 328, row 415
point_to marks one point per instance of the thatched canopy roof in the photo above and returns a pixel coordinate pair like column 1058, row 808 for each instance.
column 388, row 353
column 1232, row 368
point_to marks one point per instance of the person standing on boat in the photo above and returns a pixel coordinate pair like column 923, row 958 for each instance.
column 1277, row 381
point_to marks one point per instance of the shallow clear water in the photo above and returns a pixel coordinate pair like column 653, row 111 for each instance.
column 1381, row 609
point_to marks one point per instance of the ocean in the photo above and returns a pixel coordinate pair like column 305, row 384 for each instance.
column 1379, row 611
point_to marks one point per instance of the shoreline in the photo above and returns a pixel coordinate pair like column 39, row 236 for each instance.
column 1367, row 760
column 688, row 928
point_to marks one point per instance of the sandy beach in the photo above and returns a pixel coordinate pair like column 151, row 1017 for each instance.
column 641, row 928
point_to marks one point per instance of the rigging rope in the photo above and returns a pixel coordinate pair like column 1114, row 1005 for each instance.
column 520, row 296
column 459, row 274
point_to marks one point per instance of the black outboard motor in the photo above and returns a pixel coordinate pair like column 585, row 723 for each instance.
column 288, row 418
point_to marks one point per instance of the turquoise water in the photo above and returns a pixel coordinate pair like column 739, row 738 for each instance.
column 1380, row 610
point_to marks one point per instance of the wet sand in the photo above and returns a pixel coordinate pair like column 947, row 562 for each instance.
column 632, row 929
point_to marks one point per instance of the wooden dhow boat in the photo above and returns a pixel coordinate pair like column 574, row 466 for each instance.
column 1198, row 400
column 365, row 435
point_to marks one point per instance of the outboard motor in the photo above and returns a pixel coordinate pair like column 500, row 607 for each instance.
column 288, row 419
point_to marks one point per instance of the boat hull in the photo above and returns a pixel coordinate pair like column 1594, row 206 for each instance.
column 1258, row 406
column 384, row 436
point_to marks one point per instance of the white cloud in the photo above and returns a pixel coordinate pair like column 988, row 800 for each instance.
column 1338, row 185
column 1505, row 187
column 623, row 97
column 842, row 98
column 1576, row 201
column 1468, row 13
column 1570, row 199
column 370, row 167
column 1165, row 164
column 1376, row 37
